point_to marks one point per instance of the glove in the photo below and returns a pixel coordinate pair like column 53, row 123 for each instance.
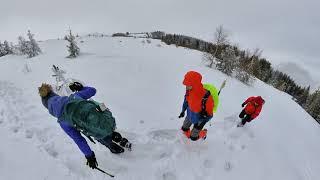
column 75, row 86
column 181, row 115
column 243, row 104
column 91, row 161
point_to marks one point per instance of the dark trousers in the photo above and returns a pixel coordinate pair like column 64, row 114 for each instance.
column 195, row 130
column 114, row 137
column 106, row 141
column 244, row 117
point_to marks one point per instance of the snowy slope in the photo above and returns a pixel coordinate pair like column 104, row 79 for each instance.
column 142, row 85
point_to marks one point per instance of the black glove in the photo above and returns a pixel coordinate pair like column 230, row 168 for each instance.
column 75, row 86
column 243, row 104
column 91, row 161
column 181, row 115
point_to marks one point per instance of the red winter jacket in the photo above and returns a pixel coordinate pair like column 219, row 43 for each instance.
column 253, row 106
column 195, row 95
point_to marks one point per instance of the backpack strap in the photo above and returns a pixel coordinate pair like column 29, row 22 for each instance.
column 89, row 137
column 203, row 112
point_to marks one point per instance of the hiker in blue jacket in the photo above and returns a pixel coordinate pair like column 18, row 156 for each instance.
column 70, row 111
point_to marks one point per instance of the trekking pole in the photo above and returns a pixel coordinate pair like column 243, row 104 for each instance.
column 222, row 86
column 105, row 172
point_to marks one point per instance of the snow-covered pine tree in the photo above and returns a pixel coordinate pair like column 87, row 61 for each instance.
column 313, row 105
column 22, row 45
column 302, row 99
column 228, row 61
column 7, row 48
column 266, row 70
column 33, row 47
column 73, row 48
column 2, row 53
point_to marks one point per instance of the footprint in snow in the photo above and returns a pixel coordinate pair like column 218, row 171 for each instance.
column 29, row 134
column 163, row 135
column 168, row 176
column 51, row 150
column 208, row 163
column 15, row 129
column 228, row 166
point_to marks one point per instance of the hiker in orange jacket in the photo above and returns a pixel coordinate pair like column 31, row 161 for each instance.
column 197, row 114
column 253, row 106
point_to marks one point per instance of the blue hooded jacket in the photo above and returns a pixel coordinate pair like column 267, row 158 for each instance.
column 55, row 105
column 193, row 116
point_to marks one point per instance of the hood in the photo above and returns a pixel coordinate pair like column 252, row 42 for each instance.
column 192, row 78
column 259, row 100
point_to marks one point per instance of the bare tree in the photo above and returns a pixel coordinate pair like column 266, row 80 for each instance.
column 251, row 64
column 221, row 37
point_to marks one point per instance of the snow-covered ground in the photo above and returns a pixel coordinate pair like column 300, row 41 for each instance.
column 142, row 85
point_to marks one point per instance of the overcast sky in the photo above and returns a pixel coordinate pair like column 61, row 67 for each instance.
column 287, row 30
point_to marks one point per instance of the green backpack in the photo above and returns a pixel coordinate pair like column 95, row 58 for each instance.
column 214, row 93
column 88, row 118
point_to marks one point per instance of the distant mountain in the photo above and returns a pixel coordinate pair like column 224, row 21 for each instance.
column 298, row 73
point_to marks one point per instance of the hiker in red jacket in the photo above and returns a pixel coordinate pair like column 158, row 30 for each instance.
column 199, row 112
column 252, row 109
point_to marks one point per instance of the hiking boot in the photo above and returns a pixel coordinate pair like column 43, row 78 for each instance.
column 115, row 148
column 241, row 123
column 125, row 143
column 187, row 133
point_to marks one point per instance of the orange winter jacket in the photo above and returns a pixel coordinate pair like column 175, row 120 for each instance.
column 253, row 106
column 195, row 95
